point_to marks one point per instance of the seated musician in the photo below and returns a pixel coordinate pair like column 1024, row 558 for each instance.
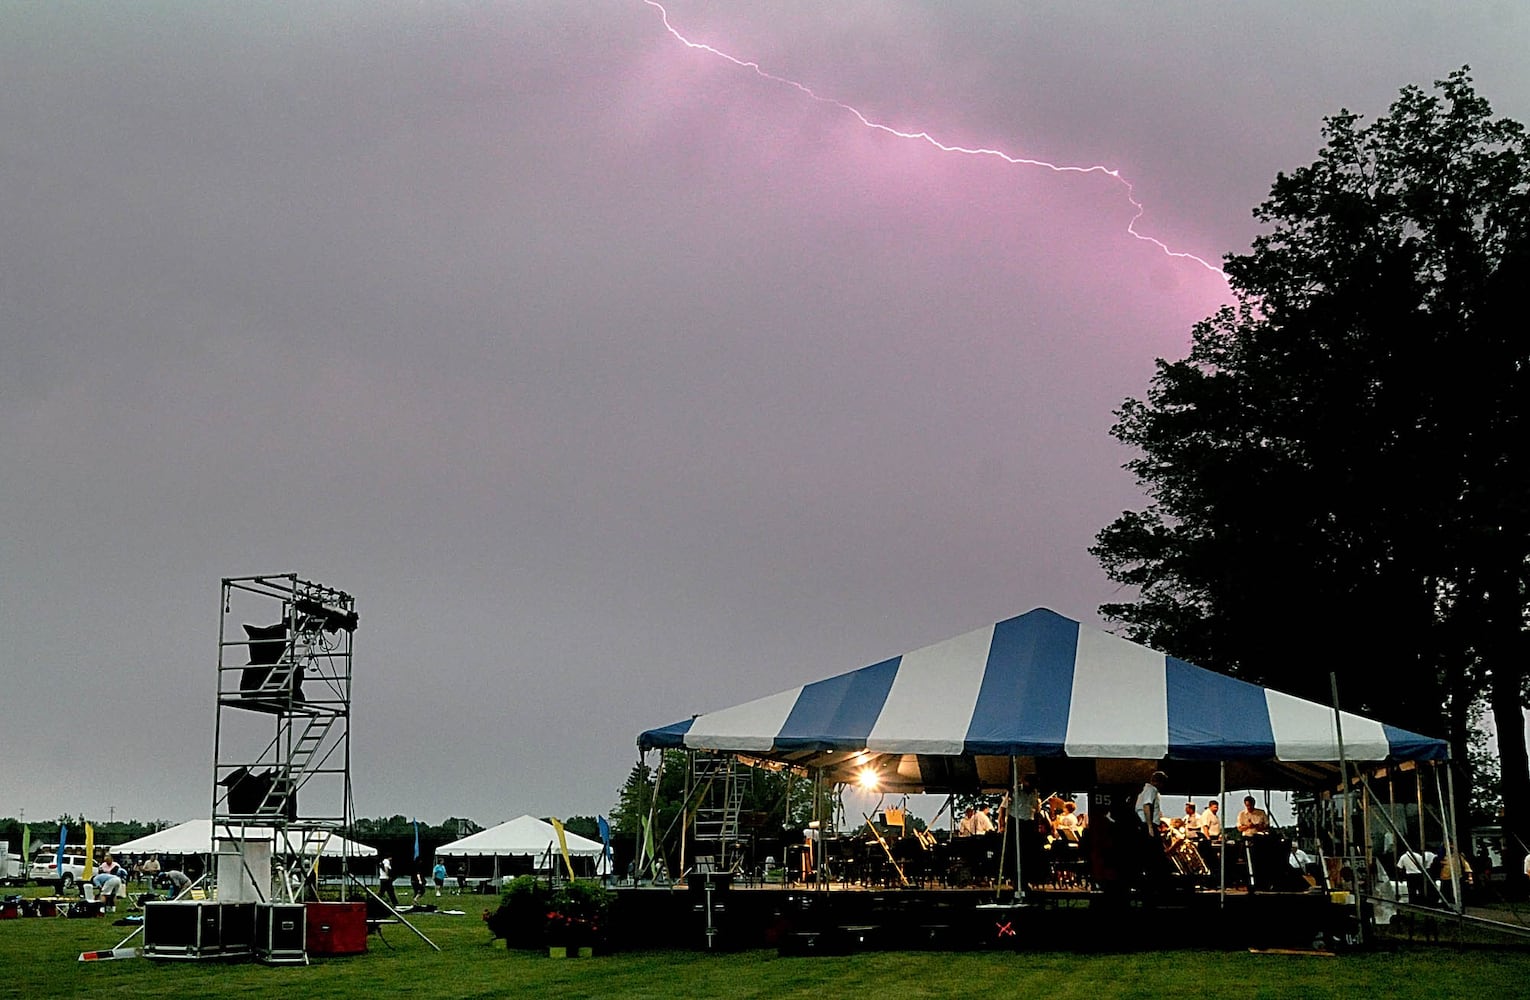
column 981, row 822
column 1252, row 820
column 968, row 826
column 1065, row 825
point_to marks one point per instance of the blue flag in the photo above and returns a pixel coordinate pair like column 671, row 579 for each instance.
column 63, row 838
column 605, row 841
column 416, row 840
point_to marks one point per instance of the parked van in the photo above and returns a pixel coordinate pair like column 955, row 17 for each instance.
column 44, row 867
column 12, row 867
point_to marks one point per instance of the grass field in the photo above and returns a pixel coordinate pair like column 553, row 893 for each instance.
column 39, row 958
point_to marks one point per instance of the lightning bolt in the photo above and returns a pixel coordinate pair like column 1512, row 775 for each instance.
column 1020, row 161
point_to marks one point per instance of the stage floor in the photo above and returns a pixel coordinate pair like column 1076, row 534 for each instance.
column 848, row 917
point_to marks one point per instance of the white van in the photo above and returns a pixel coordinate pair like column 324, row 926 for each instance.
column 12, row 867
column 45, row 868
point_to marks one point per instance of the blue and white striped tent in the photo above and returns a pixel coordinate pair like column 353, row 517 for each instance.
column 1077, row 705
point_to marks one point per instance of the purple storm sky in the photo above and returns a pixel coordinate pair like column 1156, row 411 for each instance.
column 617, row 382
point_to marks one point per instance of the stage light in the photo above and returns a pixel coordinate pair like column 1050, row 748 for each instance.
column 867, row 778
column 331, row 619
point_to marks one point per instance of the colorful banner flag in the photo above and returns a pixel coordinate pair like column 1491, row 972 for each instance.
column 26, row 847
column 416, row 840
column 63, row 838
column 605, row 843
column 568, row 862
column 90, row 852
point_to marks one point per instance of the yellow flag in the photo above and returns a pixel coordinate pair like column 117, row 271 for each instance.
column 563, row 845
column 90, row 852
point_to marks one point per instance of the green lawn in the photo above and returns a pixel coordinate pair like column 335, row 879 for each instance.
column 39, row 958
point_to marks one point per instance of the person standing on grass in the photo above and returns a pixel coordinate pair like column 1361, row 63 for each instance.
column 385, row 882
column 439, row 874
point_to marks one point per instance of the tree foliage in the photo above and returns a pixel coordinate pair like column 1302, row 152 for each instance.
column 1339, row 471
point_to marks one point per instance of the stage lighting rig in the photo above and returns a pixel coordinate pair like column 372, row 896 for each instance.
column 327, row 617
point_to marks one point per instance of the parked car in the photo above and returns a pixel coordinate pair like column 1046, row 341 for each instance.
column 45, row 867
column 12, row 867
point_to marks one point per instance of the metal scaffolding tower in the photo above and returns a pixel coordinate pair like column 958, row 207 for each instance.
column 283, row 732
column 719, row 783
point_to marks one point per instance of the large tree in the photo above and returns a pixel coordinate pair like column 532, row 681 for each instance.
column 1339, row 472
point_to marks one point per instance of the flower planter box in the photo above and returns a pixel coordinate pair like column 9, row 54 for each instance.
column 557, row 951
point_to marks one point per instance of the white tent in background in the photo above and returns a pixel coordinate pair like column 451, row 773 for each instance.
column 525, row 835
column 196, row 837
column 522, row 837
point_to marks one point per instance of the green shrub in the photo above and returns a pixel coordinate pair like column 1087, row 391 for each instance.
column 521, row 918
column 577, row 914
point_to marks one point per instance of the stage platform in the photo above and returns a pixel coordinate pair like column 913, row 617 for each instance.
column 799, row 919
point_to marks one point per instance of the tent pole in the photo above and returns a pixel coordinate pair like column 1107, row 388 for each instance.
column 1222, row 847
column 1452, row 843
column 653, row 817
column 1418, row 788
column 815, row 843
column 1338, row 729
column 786, row 811
column 1392, row 809
column 1014, row 822
column 1369, row 868
column 685, row 809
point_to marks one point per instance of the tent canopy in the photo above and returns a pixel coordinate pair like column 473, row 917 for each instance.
column 1077, row 706
column 196, row 837
column 525, row 835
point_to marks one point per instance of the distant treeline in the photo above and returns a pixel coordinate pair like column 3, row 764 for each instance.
column 107, row 832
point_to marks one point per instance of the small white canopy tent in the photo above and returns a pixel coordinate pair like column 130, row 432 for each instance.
column 522, row 837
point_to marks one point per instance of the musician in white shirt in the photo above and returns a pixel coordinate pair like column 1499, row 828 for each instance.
column 1211, row 821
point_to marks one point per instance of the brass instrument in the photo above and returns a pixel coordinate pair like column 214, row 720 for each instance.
column 886, row 850
column 1185, row 856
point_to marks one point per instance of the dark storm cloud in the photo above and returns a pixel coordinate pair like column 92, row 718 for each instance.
column 615, row 382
